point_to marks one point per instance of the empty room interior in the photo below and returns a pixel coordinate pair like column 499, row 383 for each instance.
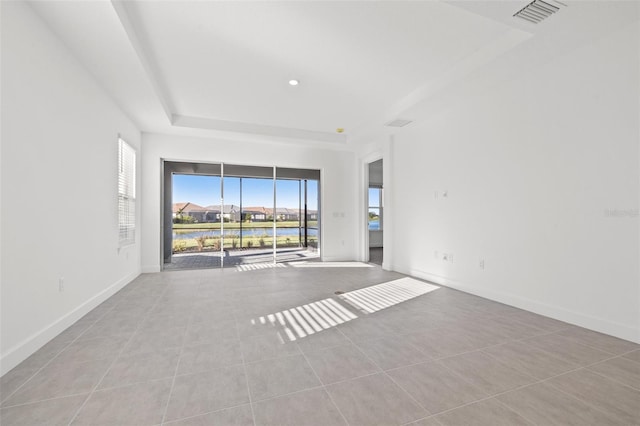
column 320, row 213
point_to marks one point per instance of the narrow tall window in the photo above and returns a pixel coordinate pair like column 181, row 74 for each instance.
column 375, row 209
column 126, row 193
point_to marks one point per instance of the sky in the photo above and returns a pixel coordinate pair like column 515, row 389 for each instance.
column 205, row 191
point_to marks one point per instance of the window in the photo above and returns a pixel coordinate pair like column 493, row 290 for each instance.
column 375, row 209
column 126, row 193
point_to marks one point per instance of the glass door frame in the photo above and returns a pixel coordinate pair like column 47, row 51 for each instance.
column 169, row 168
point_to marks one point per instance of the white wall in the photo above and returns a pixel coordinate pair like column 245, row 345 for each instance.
column 531, row 169
column 59, row 188
column 338, row 202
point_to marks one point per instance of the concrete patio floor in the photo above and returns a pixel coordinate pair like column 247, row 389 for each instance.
column 237, row 257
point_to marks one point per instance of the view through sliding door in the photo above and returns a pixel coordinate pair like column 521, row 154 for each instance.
column 233, row 215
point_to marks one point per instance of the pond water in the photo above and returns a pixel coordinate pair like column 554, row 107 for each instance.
column 248, row 232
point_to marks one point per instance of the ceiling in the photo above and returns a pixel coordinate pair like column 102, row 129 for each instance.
column 221, row 68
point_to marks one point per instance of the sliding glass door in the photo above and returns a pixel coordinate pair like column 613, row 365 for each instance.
column 232, row 215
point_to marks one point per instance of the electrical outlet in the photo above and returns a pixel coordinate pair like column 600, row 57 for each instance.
column 61, row 284
column 445, row 257
column 481, row 264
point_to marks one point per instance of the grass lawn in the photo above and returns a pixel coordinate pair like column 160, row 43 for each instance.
column 247, row 242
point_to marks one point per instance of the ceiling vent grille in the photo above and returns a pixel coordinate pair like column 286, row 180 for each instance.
column 398, row 123
column 536, row 11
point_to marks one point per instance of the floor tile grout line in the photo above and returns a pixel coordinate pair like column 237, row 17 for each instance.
column 244, row 370
column 71, row 342
column 491, row 396
column 576, row 366
column 568, row 338
column 324, row 388
column 576, row 340
column 175, row 375
column 439, row 359
column 271, row 398
column 550, row 354
column 513, row 410
column 519, row 388
column 430, row 416
column 408, row 394
column 611, row 378
column 45, row 400
column 116, row 358
column 272, row 358
column 612, row 356
column 382, row 371
column 481, row 350
column 577, row 398
column 624, row 355
column 502, row 365
column 203, row 414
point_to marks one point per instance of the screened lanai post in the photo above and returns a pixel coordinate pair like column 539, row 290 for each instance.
column 167, row 228
column 274, row 215
column 240, row 213
column 299, row 212
column 306, row 220
column 222, row 215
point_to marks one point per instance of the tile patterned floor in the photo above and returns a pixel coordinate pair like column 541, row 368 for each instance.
column 190, row 348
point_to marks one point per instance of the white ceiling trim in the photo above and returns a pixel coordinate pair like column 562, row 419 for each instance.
column 178, row 120
column 151, row 70
column 256, row 129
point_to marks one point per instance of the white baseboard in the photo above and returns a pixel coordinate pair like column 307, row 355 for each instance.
column 600, row 325
column 31, row 344
column 150, row 269
column 337, row 259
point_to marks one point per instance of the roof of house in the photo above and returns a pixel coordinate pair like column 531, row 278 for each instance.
column 228, row 208
column 187, row 207
column 263, row 210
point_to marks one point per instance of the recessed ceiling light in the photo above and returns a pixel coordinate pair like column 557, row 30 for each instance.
column 294, row 82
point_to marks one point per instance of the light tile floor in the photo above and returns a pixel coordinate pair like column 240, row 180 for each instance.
column 189, row 348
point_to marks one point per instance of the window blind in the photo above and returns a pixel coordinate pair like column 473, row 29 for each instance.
column 126, row 193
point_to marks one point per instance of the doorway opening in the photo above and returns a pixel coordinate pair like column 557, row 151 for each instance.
column 225, row 215
column 375, row 212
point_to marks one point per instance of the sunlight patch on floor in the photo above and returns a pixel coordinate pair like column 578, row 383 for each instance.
column 330, row 265
column 308, row 319
column 256, row 266
column 305, row 320
column 381, row 296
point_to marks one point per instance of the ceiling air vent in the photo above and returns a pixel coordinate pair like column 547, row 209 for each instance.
column 537, row 11
column 398, row 123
